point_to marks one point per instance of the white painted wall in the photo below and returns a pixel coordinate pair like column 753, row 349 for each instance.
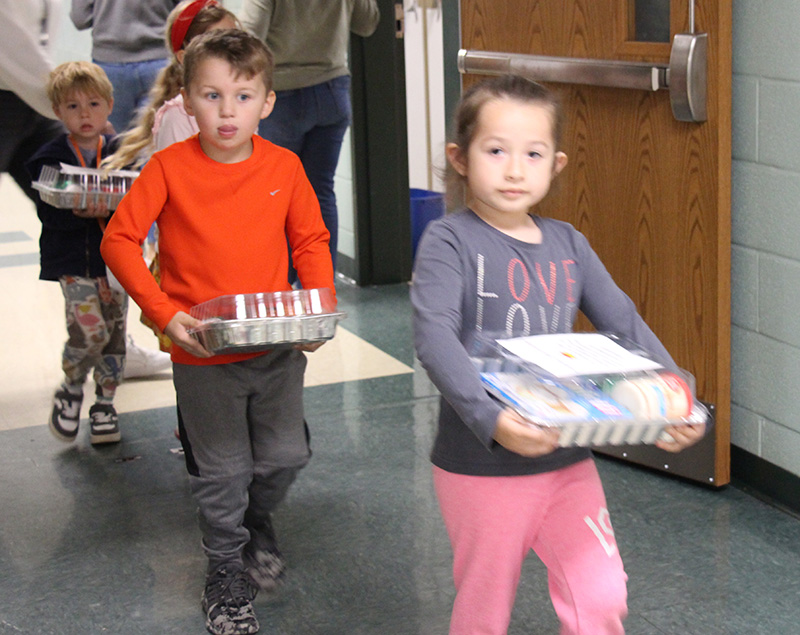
column 344, row 187
column 424, row 93
column 765, row 339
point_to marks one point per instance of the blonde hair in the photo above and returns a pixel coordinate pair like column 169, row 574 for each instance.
column 84, row 77
column 136, row 144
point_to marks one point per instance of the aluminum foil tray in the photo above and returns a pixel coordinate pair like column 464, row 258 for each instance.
column 256, row 322
column 72, row 187
column 632, row 432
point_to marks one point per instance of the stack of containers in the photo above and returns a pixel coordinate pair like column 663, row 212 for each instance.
column 71, row 187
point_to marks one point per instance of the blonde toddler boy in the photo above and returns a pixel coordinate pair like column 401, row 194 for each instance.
column 82, row 98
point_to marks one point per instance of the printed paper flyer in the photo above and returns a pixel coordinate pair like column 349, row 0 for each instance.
column 572, row 354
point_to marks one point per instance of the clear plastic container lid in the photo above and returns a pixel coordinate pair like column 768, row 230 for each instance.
column 70, row 187
column 279, row 304
column 560, row 379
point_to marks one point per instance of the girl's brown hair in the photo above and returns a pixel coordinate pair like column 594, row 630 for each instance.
column 136, row 144
column 465, row 120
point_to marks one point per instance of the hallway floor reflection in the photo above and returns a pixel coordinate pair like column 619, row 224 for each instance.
column 105, row 540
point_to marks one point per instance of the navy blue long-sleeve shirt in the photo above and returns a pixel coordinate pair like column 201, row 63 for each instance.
column 68, row 245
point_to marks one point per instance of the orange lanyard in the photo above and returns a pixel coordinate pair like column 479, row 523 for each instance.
column 100, row 221
column 80, row 156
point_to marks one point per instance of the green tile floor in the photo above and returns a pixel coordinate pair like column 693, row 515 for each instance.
column 106, row 540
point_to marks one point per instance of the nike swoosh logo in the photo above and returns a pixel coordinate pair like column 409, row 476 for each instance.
column 274, row 192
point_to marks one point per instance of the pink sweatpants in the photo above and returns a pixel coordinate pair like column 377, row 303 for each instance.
column 493, row 522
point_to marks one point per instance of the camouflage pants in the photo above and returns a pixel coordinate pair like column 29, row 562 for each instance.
column 96, row 323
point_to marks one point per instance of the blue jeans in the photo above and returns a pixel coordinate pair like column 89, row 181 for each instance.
column 311, row 122
column 131, row 82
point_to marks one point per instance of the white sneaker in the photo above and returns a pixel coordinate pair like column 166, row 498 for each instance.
column 143, row 362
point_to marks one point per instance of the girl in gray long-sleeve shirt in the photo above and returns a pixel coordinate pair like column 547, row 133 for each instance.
column 505, row 487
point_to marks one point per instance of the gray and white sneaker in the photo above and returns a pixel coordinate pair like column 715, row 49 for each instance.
column 104, row 424
column 262, row 559
column 66, row 414
column 228, row 603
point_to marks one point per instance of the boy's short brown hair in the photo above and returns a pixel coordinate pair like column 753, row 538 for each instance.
column 246, row 54
column 84, row 77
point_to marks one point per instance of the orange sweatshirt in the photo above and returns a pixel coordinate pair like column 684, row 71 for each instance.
column 222, row 230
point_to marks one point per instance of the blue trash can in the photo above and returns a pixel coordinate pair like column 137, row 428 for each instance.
column 425, row 207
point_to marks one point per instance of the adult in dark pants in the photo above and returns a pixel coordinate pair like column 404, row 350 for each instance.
column 27, row 120
column 128, row 44
column 310, row 40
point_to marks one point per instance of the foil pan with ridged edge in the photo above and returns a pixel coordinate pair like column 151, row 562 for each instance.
column 257, row 322
column 72, row 187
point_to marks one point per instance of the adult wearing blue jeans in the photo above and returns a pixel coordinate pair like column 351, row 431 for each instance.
column 128, row 44
column 311, row 122
column 309, row 40
column 132, row 82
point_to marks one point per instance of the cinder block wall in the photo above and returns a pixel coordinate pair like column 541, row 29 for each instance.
column 766, row 231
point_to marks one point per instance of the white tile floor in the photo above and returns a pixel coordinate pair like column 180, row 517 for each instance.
column 33, row 334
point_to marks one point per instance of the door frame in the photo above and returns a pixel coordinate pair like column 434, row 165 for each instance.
column 380, row 157
column 451, row 43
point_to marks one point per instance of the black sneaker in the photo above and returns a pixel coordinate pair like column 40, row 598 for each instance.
column 104, row 424
column 228, row 603
column 263, row 561
column 66, row 415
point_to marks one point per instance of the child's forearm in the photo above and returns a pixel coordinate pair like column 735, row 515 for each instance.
column 311, row 252
column 123, row 256
column 121, row 247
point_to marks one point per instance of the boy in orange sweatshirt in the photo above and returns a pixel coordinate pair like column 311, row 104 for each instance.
column 225, row 202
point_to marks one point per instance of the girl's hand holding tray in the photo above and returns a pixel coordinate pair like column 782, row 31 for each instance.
column 616, row 396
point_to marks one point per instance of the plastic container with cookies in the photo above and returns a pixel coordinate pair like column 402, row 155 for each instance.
column 71, row 187
column 597, row 389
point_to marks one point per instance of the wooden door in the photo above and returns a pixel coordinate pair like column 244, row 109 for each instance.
column 651, row 193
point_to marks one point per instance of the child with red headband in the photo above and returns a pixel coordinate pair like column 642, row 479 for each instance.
column 164, row 120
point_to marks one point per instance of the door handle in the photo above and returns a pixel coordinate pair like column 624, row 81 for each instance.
column 684, row 77
column 566, row 70
column 687, row 74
